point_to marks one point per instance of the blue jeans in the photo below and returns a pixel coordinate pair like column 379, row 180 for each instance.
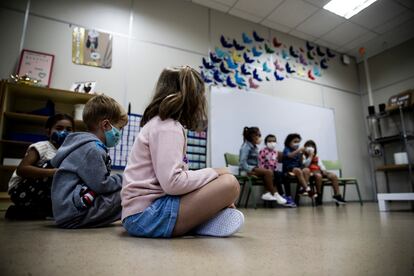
column 156, row 221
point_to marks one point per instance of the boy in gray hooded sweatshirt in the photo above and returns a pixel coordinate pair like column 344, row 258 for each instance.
column 84, row 194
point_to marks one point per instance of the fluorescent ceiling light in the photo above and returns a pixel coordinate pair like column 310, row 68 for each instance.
column 347, row 8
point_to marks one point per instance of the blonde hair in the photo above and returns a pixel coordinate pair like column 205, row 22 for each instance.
column 102, row 107
column 179, row 95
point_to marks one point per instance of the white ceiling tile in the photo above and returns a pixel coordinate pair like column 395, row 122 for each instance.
column 275, row 26
column 406, row 3
column 292, row 12
column 359, row 42
column 213, row 4
column 390, row 39
column 378, row 13
column 327, row 44
column 245, row 15
column 259, row 8
column 302, row 35
column 389, row 25
column 319, row 3
column 344, row 33
column 320, row 23
column 226, row 2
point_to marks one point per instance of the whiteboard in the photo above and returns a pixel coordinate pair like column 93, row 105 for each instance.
column 231, row 110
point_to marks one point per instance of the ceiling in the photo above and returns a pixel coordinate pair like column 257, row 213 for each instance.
column 384, row 24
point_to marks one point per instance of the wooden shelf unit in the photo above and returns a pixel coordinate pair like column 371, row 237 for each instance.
column 17, row 101
column 393, row 167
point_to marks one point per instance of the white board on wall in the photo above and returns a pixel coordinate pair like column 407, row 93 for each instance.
column 231, row 110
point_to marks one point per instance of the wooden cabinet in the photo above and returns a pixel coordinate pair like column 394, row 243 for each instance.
column 20, row 127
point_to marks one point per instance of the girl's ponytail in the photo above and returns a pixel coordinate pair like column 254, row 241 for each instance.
column 245, row 133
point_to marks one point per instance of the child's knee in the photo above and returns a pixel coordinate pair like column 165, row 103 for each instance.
column 231, row 184
column 297, row 171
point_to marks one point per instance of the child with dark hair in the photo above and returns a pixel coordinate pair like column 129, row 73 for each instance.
column 292, row 163
column 249, row 163
column 268, row 159
column 30, row 184
column 312, row 161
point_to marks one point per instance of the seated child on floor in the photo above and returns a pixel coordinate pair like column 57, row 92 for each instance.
column 30, row 184
column 84, row 193
column 161, row 197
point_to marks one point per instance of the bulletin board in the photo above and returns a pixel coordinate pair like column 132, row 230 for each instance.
column 120, row 153
column 196, row 145
column 231, row 110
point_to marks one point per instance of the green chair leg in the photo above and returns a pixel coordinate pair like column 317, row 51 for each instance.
column 252, row 193
column 359, row 193
column 243, row 186
column 344, row 191
column 249, row 191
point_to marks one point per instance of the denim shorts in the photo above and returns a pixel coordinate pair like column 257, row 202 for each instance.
column 156, row 221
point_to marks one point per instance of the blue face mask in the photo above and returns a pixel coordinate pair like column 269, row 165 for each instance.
column 112, row 137
column 58, row 137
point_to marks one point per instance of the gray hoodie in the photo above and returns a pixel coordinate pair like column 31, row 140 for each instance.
column 82, row 160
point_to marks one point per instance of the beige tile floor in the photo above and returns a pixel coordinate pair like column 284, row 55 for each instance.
column 327, row 240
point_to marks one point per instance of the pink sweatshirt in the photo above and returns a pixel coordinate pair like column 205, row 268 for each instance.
column 156, row 167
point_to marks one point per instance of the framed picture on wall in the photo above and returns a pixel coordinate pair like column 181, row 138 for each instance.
column 91, row 47
column 36, row 65
column 87, row 87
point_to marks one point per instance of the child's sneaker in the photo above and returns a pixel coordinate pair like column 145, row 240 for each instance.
column 280, row 200
column 312, row 194
column 302, row 192
column 268, row 197
column 339, row 200
column 224, row 224
column 289, row 202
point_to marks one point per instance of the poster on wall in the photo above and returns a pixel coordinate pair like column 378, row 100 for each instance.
column 36, row 65
column 90, row 47
column 87, row 87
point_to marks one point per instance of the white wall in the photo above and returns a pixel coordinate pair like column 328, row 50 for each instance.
column 166, row 33
column 391, row 72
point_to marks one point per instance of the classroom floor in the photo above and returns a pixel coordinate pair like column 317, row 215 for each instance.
column 328, row 240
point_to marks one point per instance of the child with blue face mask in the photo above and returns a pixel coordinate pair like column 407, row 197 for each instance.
column 30, row 184
column 84, row 193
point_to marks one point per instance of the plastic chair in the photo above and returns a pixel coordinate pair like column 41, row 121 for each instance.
column 233, row 160
column 342, row 181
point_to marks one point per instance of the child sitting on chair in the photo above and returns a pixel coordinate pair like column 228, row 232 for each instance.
column 268, row 159
column 249, row 162
column 312, row 161
column 292, row 163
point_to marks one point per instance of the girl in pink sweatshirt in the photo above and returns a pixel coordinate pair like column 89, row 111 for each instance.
column 160, row 196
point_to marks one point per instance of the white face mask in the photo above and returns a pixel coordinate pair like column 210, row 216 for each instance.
column 296, row 145
column 259, row 141
column 271, row 145
column 310, row 149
